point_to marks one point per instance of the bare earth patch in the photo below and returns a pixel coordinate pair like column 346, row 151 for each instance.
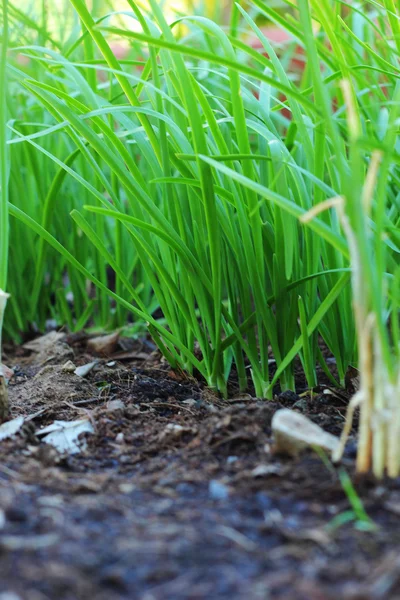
column 178, row 494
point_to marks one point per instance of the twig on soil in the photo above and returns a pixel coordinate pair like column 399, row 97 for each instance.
column 170, row 405
column 7, row 471
column 37, row 414
column 232, row 438
column 84, row 411
column 238, row 538
column 37, row 542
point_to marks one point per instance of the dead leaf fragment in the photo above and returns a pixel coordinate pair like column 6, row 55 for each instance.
column 294, row 432
column 44, row 342
column 51, row 347
column 10, row 428
column 6, row 372
column 104, row 345
column 63, row 435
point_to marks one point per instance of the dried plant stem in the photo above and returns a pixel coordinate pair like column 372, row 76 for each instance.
column 3, row 383
column 3, row 302
column 393, row 451
column 354, row 403
column 366, row 391
column 379, row 428
column 4, row 406
column 378, row 446
column 381, row 412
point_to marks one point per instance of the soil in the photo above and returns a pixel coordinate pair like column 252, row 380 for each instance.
column 178, row 494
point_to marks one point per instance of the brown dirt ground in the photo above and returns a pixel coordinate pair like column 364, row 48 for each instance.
column 178, row 494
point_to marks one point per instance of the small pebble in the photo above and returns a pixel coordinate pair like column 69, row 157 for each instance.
column 192, row 402
column 218, row 490
column 127, row 488
column 301, row 404
column 119, row 438
column 69, row 367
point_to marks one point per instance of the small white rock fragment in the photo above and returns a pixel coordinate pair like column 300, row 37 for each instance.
column 126, row 488
column 173, row 430
column 263, row 470
column 84, row 370
column 294, row 432
column 119, row 438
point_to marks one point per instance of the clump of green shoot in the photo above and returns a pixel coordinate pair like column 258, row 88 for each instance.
column 207, row 186
column 368, row 211
column 376, row 306
column 3, row 197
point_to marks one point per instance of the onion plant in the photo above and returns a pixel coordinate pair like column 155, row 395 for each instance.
column 3, row 172
column 368, row 208
column 43, row 190
column 3, row 200
column 210, row 187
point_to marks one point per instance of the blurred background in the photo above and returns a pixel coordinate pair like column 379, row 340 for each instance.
column 59, row 18
column 218, row 10
column 208, row 7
